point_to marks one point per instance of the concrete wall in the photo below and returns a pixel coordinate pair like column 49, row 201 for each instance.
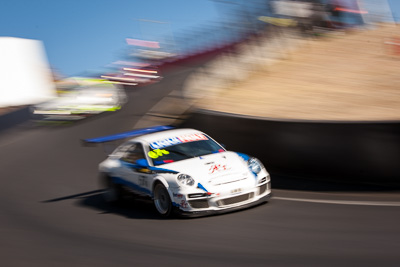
column 355, row 152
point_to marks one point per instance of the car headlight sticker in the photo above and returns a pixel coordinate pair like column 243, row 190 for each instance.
column 185, row 179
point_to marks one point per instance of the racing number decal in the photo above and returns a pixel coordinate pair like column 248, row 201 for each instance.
column 157, row 153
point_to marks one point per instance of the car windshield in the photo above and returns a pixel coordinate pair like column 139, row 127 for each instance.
column 183, row 151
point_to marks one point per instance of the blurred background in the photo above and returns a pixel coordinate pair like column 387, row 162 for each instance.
column 128, row 43
column 311, row 88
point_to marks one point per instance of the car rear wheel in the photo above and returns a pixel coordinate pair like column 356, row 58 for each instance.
column 162, row 201
column 113, row 192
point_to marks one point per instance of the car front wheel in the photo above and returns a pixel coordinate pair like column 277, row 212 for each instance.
column 162, row 201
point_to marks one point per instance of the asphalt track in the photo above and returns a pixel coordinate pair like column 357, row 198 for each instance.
column 52, row 212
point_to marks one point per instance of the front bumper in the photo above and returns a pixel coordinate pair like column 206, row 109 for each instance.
column 200, row 213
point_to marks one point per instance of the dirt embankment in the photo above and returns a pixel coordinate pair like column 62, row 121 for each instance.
column 354, row 76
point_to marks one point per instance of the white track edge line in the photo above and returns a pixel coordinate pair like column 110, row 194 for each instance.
column 342, row 202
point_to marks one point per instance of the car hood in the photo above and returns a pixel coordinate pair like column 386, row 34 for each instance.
column 214, row 168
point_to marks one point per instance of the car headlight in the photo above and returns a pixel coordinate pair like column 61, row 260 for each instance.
column 185, row 179
column 255, row 165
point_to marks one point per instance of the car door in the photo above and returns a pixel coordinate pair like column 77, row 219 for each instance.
column 138, row 177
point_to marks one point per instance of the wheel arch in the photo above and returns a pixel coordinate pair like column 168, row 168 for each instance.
column 163, row 181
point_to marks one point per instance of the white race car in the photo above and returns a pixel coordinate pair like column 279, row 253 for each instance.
column 184, row 171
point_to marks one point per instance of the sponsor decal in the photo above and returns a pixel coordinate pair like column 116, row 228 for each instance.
column 217, row 168
column 184, row 204
column 178, row 140
column 177, row 195
column 192, row 137
column 164, row 143
column 143, row 182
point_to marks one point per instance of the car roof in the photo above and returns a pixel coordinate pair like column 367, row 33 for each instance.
column 149, row 138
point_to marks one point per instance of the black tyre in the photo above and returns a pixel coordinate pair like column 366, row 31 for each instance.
column 113, row 193
column 162, row 201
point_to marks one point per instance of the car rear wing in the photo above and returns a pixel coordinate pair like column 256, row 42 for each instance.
column 124, row 135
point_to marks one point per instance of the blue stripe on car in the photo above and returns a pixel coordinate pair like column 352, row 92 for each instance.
column 161, row 170
column 243, row 156
column 154, row 169
column 131, row 185
column 199, row 185
column 246, row 158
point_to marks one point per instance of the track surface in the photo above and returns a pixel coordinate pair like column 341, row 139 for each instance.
column 52, row 213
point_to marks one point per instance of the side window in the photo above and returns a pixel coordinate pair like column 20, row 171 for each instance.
column 121, row 150
column 133, row 153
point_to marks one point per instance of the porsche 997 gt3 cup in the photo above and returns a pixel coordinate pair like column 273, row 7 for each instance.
column 184, row 171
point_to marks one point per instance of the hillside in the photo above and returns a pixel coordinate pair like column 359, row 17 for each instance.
column 353, row 76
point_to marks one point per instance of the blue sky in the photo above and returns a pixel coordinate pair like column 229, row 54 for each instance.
column 81, row 35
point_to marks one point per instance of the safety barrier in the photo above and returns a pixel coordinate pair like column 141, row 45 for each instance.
column 355, row 152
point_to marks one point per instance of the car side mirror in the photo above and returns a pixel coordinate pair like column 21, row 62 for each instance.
column 142, row 163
